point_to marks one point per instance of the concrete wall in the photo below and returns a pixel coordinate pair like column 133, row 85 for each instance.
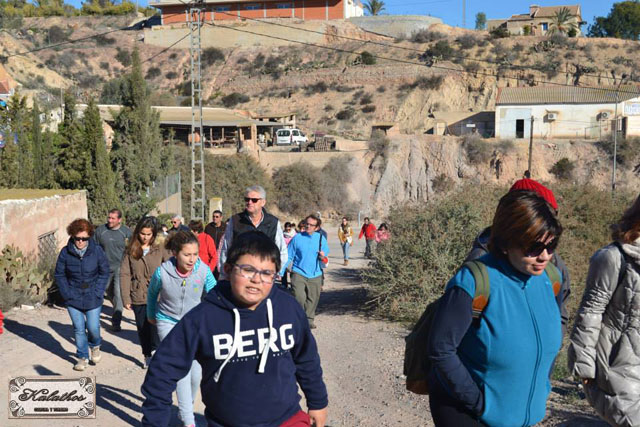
column 398, row 26
column 271, row 160
column 172, row 204
column 23, row 221
column 572, row 121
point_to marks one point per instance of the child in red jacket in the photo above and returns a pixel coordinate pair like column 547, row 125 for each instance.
column 369, row 232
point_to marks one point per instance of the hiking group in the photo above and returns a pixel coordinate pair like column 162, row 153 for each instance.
column 208, row 315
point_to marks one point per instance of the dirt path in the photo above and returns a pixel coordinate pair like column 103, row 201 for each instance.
column 361, row 358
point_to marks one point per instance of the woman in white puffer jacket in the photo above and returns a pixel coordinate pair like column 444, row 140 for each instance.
column 605, row 343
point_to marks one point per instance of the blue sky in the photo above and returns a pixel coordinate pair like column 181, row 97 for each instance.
column 450, row 11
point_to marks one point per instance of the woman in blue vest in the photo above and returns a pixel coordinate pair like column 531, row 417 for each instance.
column 82, row 274
column 494, row 369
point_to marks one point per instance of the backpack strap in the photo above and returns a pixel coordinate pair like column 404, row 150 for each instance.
column 623, row 264
column 554, row 275
column 481, row 277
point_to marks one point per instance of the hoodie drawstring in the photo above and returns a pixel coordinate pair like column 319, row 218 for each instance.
column 234, row 347
column 265, row 350
column 236, row 342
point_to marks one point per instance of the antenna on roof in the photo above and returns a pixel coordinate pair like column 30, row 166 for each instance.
column 196, row 10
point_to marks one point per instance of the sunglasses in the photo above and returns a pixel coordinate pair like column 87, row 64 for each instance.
column 252, row 199
column 538, row 247
column 81, row 239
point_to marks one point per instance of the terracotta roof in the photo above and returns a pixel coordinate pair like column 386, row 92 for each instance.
column 565, row 95
column 550, row 11
column 5, row 88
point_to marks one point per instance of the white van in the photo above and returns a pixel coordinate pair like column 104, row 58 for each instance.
column 290, row 137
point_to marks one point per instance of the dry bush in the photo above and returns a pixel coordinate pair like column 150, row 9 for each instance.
column 427, row 36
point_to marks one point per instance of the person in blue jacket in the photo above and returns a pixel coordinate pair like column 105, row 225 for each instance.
column 494, row 370
column 82, row 273
column 176, row 287
column 254, row 344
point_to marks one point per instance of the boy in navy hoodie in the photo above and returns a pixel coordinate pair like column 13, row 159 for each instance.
column 254, row 345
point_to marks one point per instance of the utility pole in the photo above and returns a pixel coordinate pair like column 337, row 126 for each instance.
column 615, row 136
column 530, row 145
column 196, row 10
column 464, row 13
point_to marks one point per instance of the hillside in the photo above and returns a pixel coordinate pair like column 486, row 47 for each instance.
column 321, row 80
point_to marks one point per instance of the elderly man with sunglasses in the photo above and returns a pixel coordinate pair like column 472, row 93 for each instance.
column 480, row 245
column 254, row 217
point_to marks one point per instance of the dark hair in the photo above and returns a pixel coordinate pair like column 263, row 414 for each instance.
column 116, row 211
column 254, row 243
column 196, row 226
column 217, row 211
column 366, row 218
column 79, row 225
column 316, row 217
column 177, row 240
column 627, row 229
column 134, row 248
column 383, row 226
column 522, row 218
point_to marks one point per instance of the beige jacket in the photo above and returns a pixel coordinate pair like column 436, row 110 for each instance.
column 605, row 343
column 342, row 235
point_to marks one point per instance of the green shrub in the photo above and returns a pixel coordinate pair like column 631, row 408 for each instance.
column 153, row 72
column 441, row 50
column 211, row 55
column 103, row 40
column 467, row 41
column 171, row 75
column 366, row 98
column 424, row 82
column 346, row 114
column 288, row 180
column 369, row 108
column 105, row 66
column 626, row 151
column 499, row 33
column 234, row 99
column 429, row 243
column 123, row 56
column 381, row 89
column 320, row 87
column 478, row 150
column 563, row 169
column 367, row 58
column 57, row 34
column 427, row 36
column 442, row 183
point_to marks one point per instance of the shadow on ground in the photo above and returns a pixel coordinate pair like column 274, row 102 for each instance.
column 66, row 332
column 349, row 300
column 39, row 337
column 113, row 399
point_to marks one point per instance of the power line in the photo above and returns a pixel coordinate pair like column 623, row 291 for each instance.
column 403, row 61
column 411, row 49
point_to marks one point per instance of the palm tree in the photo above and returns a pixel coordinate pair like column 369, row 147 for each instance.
column 562, row 22
column 374, row 7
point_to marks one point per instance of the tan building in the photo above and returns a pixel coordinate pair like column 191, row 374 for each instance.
column 567, row 112
column 36, row 221
column 538, row 20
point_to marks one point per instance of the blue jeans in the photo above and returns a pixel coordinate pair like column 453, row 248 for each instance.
column 345, row 249
column 188, row 386
column 85, row 321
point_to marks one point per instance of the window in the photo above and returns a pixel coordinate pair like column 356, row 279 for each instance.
column 47, row 248
column 254, row 6
column 295, row 133
column 283, row 132
column 283, row 5
column 545, row 26
column 223, row 8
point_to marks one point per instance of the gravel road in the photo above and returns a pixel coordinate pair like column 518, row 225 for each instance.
column 361, row 358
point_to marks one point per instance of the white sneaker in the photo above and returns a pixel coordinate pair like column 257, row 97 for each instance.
column 147, row 361
column 81, row 365
column 95, row 354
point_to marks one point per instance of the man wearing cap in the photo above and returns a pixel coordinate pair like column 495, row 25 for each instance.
column 481, row 244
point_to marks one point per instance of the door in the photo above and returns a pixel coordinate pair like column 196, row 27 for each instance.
column 520, row 128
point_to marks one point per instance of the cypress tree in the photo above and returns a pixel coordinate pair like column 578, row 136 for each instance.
column 48, row 176
column 72, row 158
column 101, row 192
column 19, row 116
column 137, row 145
column 36, row 142
column 16, row 168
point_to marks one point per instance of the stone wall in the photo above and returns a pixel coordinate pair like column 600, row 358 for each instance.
column 397, row 26
column 24, row 221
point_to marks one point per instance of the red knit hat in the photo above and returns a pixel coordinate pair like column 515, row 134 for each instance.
column 531, row 185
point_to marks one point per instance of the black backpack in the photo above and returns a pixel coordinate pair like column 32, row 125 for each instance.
column 416, row 362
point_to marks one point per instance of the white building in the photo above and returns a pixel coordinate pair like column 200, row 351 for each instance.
column 567, row 111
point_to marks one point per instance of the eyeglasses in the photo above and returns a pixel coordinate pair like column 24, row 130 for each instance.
column 252, row 199
column 538, row 247
column 81, row 239
column 175, row 222
column 308, row 224
column 249, row 272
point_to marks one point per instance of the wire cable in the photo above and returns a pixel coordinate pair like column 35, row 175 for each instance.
column 434, row 66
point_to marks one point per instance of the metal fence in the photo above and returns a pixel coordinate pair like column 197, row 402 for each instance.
column 165, row 187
